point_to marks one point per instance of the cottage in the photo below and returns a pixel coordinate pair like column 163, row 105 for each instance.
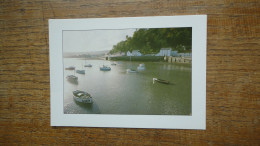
column 134, row 53
column 165, row 52
column 128, row 53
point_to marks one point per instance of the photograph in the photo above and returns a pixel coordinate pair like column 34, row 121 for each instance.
column 137, row 71
column 129, row 72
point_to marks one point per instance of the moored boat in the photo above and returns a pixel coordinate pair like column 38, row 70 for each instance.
column 82, row 96
column 72, row 78
column 141, row 67
column 160, row 81
column 105, row 68
column 80, row 71
column 131, row 71
column 88, row 65
column 70, row 68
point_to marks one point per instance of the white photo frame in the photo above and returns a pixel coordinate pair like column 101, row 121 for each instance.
column 199, row 36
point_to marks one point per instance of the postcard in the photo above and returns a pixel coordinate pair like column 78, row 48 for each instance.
column 129, row 72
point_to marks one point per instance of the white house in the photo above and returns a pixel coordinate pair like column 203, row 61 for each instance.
column 134, row 53
column 128, row 53
column 165, row 52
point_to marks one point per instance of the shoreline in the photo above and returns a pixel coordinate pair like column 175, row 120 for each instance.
column 170, row 59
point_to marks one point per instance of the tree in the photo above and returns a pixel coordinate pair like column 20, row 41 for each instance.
column 153, row 39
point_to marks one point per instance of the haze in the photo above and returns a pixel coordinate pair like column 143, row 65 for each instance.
column 93, row 40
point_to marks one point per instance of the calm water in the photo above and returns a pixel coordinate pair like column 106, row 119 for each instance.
column 119, row 92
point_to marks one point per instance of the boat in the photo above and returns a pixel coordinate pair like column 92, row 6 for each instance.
column 160, row 81
column 82, row 96
column 113, row 63
column 88, row 65
column 105, row 68
column 80, row 71
column 72, row 78
column 141, row 67
column 70, row 68
column 131, row 71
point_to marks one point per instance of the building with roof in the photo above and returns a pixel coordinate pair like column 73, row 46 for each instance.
column 165, row 52
column 134, row 53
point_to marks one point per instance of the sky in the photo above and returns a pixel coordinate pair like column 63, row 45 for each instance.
column 93, row 40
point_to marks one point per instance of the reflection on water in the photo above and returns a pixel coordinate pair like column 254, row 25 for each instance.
column 169, row 67
column 76, row 82
column 119, row 92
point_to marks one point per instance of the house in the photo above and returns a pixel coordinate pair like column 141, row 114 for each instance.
column 174, row 53
column 165, row 52
column 134, row 53
column 128, row 53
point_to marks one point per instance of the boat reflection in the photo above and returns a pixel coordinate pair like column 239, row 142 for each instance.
column 74, row 82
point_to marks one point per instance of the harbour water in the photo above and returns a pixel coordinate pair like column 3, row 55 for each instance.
column 119, row 92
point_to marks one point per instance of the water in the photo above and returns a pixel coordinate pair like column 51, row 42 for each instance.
column 119, row 92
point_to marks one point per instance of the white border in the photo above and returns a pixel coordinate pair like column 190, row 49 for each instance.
column 199, row 32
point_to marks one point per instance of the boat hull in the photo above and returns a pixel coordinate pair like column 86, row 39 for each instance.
column 140, row 68
column 72, row 78
column 162, row 81
column 82, row 97
column 88, row 100
column 89, row 65
column 80, row 71
column 70, row 68
column 105, row 69
column 131, row 71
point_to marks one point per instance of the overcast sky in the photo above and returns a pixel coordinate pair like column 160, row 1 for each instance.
column 93, row 40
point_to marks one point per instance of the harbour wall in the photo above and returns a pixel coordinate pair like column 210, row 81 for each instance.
column 179, row 59
column 168, row 59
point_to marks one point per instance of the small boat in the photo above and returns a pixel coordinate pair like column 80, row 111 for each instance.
column 113, row 63
column 160, row 81
column 82, row 96
column 141, row 67
column 72, row 78
column 80, row 71
column 105, row 68
column 70, row 68
column 131, row 71
column 88, row 65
